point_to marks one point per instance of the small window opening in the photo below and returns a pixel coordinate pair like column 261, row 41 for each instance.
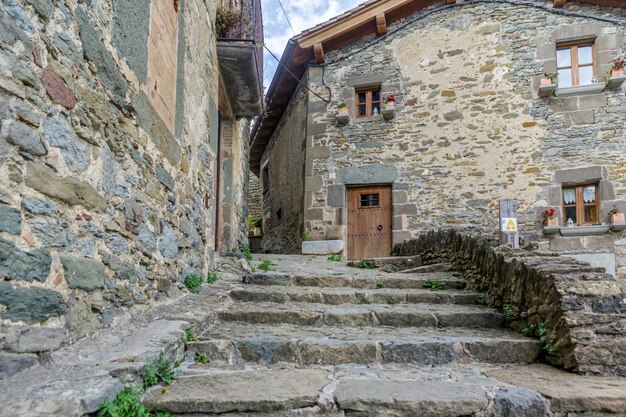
column 580, row 203
column 575, row 64
column 279, row 214
column 368, row 102
column 370, row 200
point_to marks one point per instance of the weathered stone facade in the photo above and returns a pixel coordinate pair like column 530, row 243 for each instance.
column 470, row 128
column 108, row 157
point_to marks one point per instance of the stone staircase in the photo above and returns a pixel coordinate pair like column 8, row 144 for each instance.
column 350, row 342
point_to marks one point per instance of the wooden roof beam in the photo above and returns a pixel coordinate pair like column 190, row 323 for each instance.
column 318, row 51
column 558, row 3
column 381, row 24
column 450, row 1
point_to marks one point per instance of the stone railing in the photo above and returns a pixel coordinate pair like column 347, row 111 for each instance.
column 580, row 310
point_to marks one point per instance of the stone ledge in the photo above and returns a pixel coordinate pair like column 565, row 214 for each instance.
column 584, row 230
column 618, row 227
column 581, row 89
column 546, row 90
column 614, row 83
column 322, row 247
column 573, row 300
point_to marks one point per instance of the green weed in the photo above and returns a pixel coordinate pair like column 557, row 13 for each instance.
column 179, row 361
column 245, row 250
column 381, row 285
column 126, row 404
column 543, row 333
column 190, row 336
column 364, row 300
column 193, row 282
column 334, row 258
column 392, row 301
column 389, row 269
column 510, row 313
column 201, row 358
column 211, row 278
column 266, row 265
column 159, row 370
column 364, row 265
column 434, row 285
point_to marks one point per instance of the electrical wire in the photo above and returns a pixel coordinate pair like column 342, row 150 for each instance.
column 294, row 75
column 286, row 17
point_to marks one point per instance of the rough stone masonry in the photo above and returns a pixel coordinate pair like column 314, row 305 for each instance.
column 107, row 161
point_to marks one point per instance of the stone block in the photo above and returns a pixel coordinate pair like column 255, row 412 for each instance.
column 10, row 220
column 314, row 214
column 37, row 339
column 83, row 273
column 67, row 189
column 317, row 107
column 348, row 94
column 322, row 247
column 606, row 191
column 27, row 266
column 599, row 242
column 39, row 207
column 564, row 244
column 318, row 152
column 453, row 115
column 25, row 138
column 313, row 184
column 546, row 50
column 581, row 117
column 316, row 129
column 400, row 197
column 12, row 363
column 609, row 42
column 164, row 177
column 592, row 101
column 581, row 175
column 30, row 303
column 399, row 222
column 400, row 236
column 56, row 89
column 366, row 80
column 336, row 195
column 368, row 174
column 408, row 209
column 601, row 260
column 576, row 32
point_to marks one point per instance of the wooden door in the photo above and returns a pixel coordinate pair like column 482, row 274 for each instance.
column 369, row 222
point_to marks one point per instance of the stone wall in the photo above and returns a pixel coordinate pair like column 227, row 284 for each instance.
column 469, row 128
column 282, row 171
column 255, row 197
column 583, row 308
column 107, row 193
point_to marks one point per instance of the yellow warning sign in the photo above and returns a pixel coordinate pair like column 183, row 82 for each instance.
column 509, row 224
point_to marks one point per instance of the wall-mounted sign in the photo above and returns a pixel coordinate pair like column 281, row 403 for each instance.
column 508, row 224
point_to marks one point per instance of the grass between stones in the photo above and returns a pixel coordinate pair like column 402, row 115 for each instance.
column 127, row 404
column 266, row 265
column 193, row 282
column 434, row 285
column 159, row 370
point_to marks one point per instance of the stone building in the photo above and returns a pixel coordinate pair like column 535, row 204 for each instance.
column 123, row 151
column 471, row 126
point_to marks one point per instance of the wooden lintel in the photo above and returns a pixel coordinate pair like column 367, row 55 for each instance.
column 559, row 3
column 450, row 1
column 318, row 51
column 381, row 24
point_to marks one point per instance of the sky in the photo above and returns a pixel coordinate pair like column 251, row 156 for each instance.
column 302, row 14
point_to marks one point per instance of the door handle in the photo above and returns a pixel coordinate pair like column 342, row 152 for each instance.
column 380, row 227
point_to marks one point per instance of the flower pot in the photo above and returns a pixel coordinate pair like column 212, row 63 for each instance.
column 618, row 218
column 250, row 233
column 545, row 81
column 342, row 111
column 552, row 221
column 617, row 72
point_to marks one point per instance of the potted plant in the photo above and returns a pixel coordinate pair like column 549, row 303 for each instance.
column 549, row 218
column 617, row 69
column 616, row 217
column 342, row 108
column 549, row 78
column 389, row 107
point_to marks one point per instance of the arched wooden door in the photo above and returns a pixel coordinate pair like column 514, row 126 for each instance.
column 369, row 222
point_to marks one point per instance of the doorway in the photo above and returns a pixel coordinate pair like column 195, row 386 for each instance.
column 369, row 221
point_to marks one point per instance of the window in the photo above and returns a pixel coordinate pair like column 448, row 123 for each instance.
column 370, row 200
column 367, row 102
column 580, row 203
column 575, row 64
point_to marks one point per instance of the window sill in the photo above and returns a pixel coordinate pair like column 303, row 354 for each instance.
column 600, row 229
column 618, row 227
column 614, row 83
column 368, row 119
column 581, row 89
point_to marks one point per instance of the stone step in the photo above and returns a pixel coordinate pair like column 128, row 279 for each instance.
column 243, row 343
column 327, row 295
column 400, row 315
column 367, row 279
column 344, row 391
